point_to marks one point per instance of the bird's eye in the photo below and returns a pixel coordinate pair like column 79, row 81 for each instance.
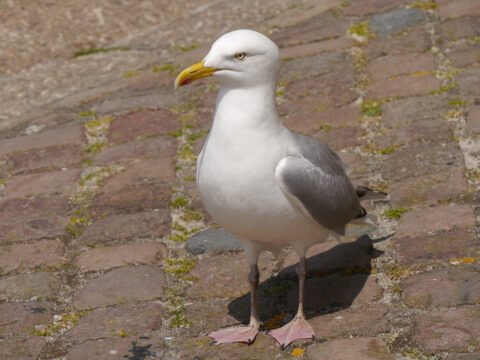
column 240, row 56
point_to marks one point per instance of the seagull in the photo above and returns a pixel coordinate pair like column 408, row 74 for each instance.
column 270, row 187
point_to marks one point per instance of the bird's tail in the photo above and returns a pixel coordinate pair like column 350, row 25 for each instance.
column 366, row 194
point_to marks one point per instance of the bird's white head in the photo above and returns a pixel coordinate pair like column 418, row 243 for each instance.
column 241, row 58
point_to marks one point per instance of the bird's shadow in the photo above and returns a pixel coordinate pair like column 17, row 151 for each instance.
column 334, row 280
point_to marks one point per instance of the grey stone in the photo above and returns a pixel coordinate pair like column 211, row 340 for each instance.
column 395, row 21
column 213, row 240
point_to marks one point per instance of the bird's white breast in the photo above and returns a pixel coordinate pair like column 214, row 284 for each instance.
column 236, row 181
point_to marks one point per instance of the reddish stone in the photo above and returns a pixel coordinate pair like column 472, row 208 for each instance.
column 225, row 276
column 32, row 229
column 473, row 120
column 429, row 220
column 32, row 208
column 464, row 55
column 397, row 113
column 25, row 286
column 37, row 218
column 350, row 349
column 211, row 315
column 17, row 348
column 333, row 89
column 429, row 189
column 104, row 323
column 295, row 15
column 368, row 320
column 146, row 224
column 340, row 138
column 156, row 81
column 468, row 81
column 106, row 258
column 452, row 330
column 437, row 129
column 314, row 65
column 314, row 48
column 128, row 100
column 446, row 287
column 307, row 123
column 459, row 8
column 124, row 285
column 140, row 124
column 158, row 147
column 66, row 135
column 385, row 67
column 415, row 41
column 459, row 28
column 52, row 182
column 132, row 199
column 142, row 172
column 405, row 86
column 30, row 256
column 437, row 248
column 130, row 347
column 467, row 356
column 205, row 109
column 337, row 290
column 365, row 7
column 421, row 159
column 264, row 347
column 318, row 28
column 51, row 157
column 21, row 317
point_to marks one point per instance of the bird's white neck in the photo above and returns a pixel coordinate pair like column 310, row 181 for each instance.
column 245, row 108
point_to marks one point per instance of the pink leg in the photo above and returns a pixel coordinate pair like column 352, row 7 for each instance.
column 243, row 333
column 298, row 328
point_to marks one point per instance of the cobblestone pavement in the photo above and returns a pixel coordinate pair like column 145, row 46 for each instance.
column 98, row 195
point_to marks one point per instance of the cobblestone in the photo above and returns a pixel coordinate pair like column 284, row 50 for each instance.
column 358, row 349
column 26, row 286
column 123, row 285
column 448, row 287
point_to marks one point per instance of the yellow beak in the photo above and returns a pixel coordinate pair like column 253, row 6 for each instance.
column 193, row 73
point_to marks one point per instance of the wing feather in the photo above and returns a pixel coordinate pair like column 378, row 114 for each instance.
column 315, row 180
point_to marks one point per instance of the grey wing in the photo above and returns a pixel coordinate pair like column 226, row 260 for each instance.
column 329, row 199
column 314, row 179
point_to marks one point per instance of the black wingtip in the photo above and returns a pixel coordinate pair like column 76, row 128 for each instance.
column 362, row 213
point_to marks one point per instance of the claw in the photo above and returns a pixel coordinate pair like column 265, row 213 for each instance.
column 282, row 347
column 214, row 342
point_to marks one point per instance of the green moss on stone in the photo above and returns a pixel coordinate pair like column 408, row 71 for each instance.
column 395, row 213
column 362, row 29
column 87, row 113
column 186, row 48
column 424, row 5
column 101, row 50
column 179, row 202
column 371, row 108
column 165, row 67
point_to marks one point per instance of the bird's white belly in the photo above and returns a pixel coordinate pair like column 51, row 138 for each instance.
column 241, row 194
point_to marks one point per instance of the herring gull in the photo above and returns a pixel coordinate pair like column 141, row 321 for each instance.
column 263, row 183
